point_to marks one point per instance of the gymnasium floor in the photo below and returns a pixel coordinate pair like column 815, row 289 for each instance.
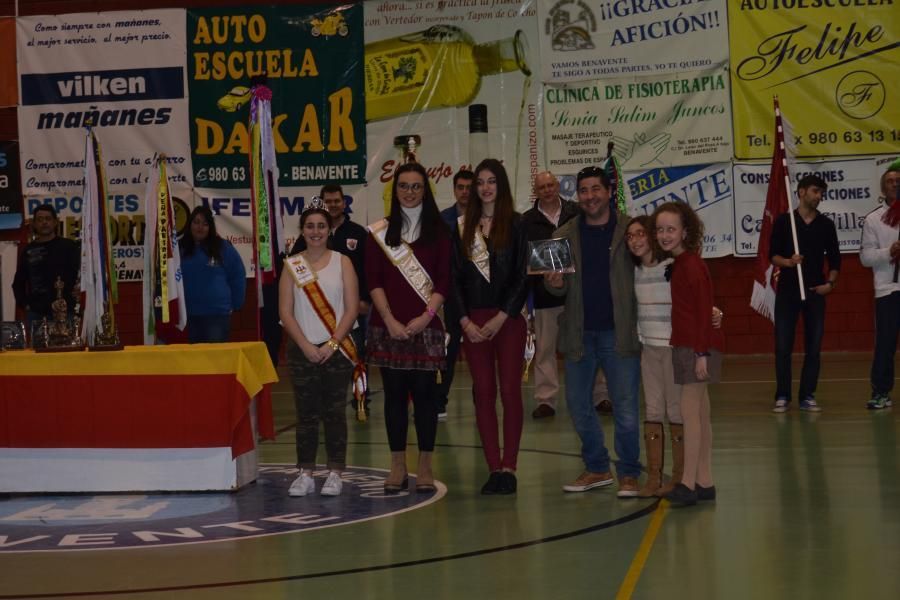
column 808, row 507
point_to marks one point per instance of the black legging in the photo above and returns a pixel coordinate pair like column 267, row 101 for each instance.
column 399, row 384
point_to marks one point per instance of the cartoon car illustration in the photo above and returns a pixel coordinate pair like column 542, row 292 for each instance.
column 234, row 99
column 330, row 25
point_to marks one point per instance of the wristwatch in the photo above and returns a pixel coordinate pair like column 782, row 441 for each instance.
column 333, row 344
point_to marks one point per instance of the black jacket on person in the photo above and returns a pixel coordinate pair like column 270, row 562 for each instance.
column 39, row 265
column 508, row 287
column 537, row 227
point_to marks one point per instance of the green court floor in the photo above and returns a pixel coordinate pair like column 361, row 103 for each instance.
column 808, row 508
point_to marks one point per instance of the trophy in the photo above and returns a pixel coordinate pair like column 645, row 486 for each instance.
column 106, row 337
column 58, row 335
column 550, row 256
column 12, row 335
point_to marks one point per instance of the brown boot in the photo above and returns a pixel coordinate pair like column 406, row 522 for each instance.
column 424, row 476
column 676, row 432
column 653, row 443
column 397, row 480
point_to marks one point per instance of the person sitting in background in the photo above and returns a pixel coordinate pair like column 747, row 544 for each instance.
column 214, row 279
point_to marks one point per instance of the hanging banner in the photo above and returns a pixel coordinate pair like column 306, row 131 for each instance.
column 708, row 189
column 10, row 187
column 424, row 68
column 9, row 88
column 123, row 72
column 853, row 191
column 829, row 63
column 658, row 121
column 586, row 39
column 312, row 59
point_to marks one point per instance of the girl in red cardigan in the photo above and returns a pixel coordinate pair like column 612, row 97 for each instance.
column 696, row 345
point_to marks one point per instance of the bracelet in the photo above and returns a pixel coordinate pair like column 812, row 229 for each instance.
column 431, row 312
column 332, row 343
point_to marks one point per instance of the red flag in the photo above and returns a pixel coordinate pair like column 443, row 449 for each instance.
column 763, row 298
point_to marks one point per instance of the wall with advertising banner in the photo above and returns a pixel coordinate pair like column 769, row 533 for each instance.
column 125, row 73
column 664, row 120
column 560, row 80
column 10, row 187
column 707, row 188
column 853, row 191
column 425, row 67
column 312, row 63
column 832, row 65
column 589, row 39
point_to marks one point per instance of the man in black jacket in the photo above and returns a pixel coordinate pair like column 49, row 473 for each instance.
column 45, row 259
column 550, row 211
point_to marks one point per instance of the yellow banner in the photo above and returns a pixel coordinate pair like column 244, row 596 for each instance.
column 830, row 62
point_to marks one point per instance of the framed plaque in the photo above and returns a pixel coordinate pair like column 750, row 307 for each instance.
column 550, row 256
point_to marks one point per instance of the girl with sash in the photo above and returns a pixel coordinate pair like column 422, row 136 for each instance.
column 408, row 273
column 491, row 287
column 318, row 305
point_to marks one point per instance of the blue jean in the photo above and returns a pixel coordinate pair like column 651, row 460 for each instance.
column 623, row 378
column 887, row 327
column 788, row 309
column 208, row 328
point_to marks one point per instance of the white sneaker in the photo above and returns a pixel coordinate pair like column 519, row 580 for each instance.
column 332, row 485
column 442, row 416
column 302, row 486
column 781, row 405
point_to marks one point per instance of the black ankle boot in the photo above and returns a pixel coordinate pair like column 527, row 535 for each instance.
column 682, row 495
column 493, row 484
column 705, row 493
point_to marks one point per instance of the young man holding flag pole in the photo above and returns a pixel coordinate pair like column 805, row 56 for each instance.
column 794, row 241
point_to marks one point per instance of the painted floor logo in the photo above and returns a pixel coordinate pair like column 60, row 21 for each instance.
column 115, row 521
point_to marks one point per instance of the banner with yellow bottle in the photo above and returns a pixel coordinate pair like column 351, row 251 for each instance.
column 830, row 64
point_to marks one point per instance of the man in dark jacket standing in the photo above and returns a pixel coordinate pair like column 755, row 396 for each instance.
column 549, row 212
column 45, row 259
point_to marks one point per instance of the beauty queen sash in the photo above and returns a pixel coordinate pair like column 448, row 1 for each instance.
column 406, row 262
column 305, row 279
column 478, row 252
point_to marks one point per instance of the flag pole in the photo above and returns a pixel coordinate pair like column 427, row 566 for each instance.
column 788, row 190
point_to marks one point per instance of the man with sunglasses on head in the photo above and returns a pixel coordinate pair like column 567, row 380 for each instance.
column 598, row 330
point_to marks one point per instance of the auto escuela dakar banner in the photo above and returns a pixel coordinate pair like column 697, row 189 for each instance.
column 853, row 192
column 312, row 58
column 123, row 73
column 591, row 39
column 831, row 64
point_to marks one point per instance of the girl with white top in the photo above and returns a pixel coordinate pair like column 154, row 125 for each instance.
column 318, row 305
column 661, row 394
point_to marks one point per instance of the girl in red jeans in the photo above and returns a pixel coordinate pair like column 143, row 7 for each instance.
column 490, row 287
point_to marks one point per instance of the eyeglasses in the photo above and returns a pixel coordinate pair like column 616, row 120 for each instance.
column 639, row 234
column 413, row 187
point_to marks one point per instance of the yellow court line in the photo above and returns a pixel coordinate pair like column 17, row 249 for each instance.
column 640, row 557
